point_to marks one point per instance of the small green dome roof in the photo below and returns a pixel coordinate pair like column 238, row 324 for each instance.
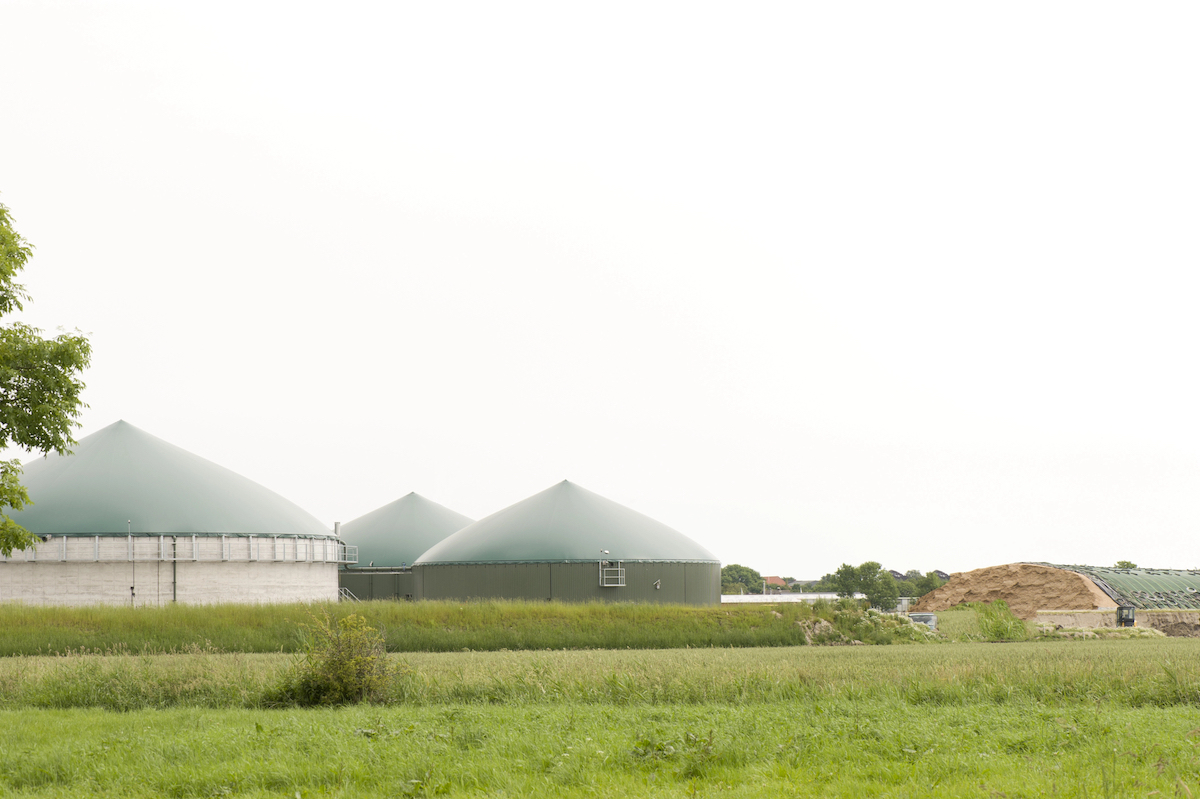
column 561, row 524
column 397, row 533
column 122, row 474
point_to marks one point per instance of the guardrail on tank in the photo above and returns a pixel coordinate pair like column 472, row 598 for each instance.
column 158, row 548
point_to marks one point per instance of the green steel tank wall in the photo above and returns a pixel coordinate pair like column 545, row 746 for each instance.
column 368, row 584
column 677, row 582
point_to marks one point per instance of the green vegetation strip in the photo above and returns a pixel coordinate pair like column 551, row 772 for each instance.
column 1049, row 718
column 1161, row 672
column 835, row 748
column 432, row 626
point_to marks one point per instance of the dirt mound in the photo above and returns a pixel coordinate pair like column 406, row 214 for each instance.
column 1025, row 587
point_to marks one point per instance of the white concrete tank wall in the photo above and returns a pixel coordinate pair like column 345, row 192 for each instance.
column 87, row 570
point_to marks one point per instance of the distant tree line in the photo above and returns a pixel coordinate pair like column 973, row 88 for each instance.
column 914, row 583
column 736, row 579
column 869, row 579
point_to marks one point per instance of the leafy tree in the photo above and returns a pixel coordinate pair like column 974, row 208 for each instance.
column 846, row 580
column 881, row 589
column 1125, row 564
column 733, row 573
column 869, row 579
column 823, row 586
column 927, row 583
column 39, row 386
column 849, row 580
column 916, row 584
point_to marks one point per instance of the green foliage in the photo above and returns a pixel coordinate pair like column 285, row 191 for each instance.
column 823, row 586
column 734, row 575
column 39, row 386
column 12, row 495
column 998, row 623
column 881, row 590
column 1125, row 564
column 846, row 581
column 344, row 661
column 916, row 584
column 869, row 579
column 15, row 252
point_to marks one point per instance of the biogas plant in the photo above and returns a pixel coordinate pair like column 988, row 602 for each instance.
column 131, row 519
column 565, row 543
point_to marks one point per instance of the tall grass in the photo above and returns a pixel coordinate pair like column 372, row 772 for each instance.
column 430, row 626
column 998, row 623
column 1135, row 673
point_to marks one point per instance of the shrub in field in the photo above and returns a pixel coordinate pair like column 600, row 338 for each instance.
column 998, row 623
column 344, row 661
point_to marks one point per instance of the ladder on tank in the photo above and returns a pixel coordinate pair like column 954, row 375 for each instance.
column 612, row 576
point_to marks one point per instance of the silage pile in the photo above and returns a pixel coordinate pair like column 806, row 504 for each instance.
column 1027, row 588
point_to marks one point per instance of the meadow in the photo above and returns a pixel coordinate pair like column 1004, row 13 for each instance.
column 1087, row 718
column 1160, row 672
column 1035, row 718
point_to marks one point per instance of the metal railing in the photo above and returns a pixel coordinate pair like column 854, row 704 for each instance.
column 612, row 576
column 183, row 548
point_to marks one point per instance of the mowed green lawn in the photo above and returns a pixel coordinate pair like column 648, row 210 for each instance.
column 1057, row 718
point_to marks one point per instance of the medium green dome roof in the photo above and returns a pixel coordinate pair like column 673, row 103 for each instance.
column 400, row 531
column 561, row 524
column 121, row 473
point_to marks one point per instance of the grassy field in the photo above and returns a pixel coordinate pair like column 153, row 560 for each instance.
column 836, row 748
column 1086, row 718
column 1161, row 672
column 1036, row 718
column 419, row 626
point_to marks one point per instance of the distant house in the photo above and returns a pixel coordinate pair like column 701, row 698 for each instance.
column 941, row 574
column 895, row 574
column 776, row 582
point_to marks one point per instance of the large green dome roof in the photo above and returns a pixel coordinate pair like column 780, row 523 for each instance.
column 122, row 474
column 561, row 524
column 397, row 533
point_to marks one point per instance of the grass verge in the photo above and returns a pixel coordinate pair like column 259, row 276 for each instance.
column 440, row 626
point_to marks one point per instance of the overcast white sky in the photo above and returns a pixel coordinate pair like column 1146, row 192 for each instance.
column 812, row 283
